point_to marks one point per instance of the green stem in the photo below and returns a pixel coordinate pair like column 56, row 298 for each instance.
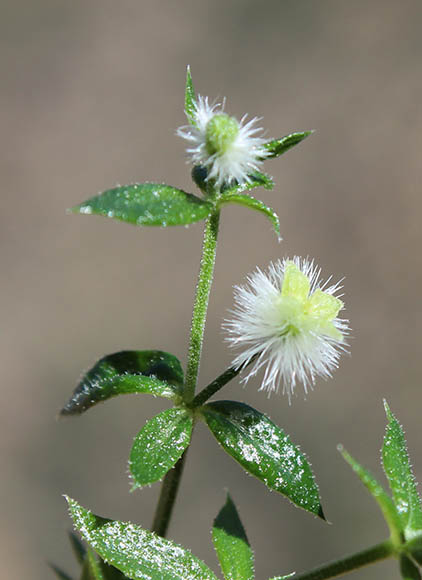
column 201, row 304
column 350, row 563
column 219, row 383
column 171, row 481
column 167, row 498
column 92, row 566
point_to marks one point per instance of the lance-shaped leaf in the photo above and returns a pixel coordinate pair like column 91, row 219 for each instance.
column 158, row 445
column 190, row 98
column 264, row 450
column 277, row 147
column 147, row 204
column 154, row 372
column 231, row 544
column 255, row 204
column 384, row 501
column 399, row 473
column 139, row 554
column 408, row 570
column 256, row 179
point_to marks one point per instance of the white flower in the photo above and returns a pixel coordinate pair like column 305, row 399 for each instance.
column 229, row 149
column 286, row 321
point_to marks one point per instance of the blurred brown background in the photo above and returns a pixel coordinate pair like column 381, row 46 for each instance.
column 92, row 92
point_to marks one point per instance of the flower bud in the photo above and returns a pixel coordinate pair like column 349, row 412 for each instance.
column 221, row 131
column 230, row 150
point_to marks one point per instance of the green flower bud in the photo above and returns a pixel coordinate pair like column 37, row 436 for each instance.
column 220, row 133
column 230, row 150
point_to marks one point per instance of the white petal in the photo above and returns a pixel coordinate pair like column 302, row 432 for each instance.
column 257, row 325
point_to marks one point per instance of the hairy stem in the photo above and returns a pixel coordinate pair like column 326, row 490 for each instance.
column 219, row 383
column 171, row 481
column 201, row 304
column 350, row 563
column 167, row 498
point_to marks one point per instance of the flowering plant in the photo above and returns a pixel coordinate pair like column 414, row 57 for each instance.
column 285, row 323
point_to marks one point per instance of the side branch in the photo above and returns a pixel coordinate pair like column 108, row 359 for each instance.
column 350, row 563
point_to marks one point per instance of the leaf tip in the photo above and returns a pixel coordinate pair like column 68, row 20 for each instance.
column 344, row 453
column 305, row 134
column 229, row 504
column 276, row 226
column 387, row 409
column 67, row 410
column 321, row 514
column 73, row 506
column 268, row 183
column 134, row 487
column 78, row 209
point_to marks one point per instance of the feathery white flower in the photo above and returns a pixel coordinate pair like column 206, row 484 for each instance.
column 229, row 149
column 286, row 320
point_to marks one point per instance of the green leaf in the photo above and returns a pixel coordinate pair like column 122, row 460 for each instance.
column 384, row 501
column 232, row 545
column 264, row 450
column 158, row 445
column 257, row 205
column 256, row 179
column 147, row 204
column 139, row 554
column 279, row 146
column 154, row 372
column 399, row 473
column 59, row 573
column 190, row 98
column 408, row 569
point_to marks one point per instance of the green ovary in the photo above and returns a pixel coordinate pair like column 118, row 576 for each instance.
column 221, row 132
column 305, row 312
